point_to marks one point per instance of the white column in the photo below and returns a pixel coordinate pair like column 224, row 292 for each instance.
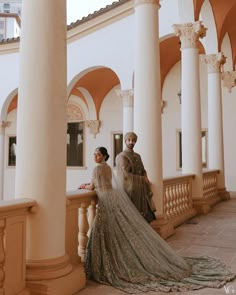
column 128, row 109
column 147, row 94
column 215, row 119
column 189, row 34
column 41, row 136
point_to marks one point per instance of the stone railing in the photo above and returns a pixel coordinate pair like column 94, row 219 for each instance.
column 210, row 189
column 80, row 214
column 13, row 244
column 178, row 206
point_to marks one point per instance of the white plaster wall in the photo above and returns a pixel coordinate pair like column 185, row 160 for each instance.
column 171, row 117
column 171, row 120
column 9, row 69
column 174, row 12
column 168, row 15
column 229, row 126
column 110, row 47
column 226, row 49
column 210, row 41
column 111, row 117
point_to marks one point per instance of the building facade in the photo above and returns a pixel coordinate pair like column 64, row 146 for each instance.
column 10, row 18
column 165, row 72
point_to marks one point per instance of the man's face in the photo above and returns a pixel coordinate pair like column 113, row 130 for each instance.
column 130, row 143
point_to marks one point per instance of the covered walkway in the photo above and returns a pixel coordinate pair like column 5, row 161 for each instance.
column 213, row 234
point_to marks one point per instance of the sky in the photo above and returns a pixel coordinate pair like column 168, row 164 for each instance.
column 76, row 9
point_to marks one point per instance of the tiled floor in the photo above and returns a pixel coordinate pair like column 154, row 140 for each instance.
column 213, row 234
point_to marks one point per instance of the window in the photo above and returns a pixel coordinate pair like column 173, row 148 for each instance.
column 2, row 25
column 117, row 145
column 6, row 7
column 204, row 149
column 75, row 144
column 12, row 151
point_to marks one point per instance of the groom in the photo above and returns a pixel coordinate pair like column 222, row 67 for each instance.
column 133, row 178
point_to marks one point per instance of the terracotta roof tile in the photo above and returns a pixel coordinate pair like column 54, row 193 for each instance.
column 78, row 22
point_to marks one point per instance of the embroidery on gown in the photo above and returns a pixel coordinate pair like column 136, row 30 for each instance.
column 125, row 252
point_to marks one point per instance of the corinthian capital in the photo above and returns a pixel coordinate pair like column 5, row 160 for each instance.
column 214, row 62
column 127, row 97
column 189, row 33
column 140, row 2
column 93, row 125
column 229, row 79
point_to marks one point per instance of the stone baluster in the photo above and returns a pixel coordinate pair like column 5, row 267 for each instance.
column 91, row 215
column 83, row 229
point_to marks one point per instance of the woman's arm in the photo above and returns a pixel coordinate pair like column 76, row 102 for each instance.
column 88, row 186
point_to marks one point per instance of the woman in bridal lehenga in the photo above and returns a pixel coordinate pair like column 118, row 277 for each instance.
column 125, row 252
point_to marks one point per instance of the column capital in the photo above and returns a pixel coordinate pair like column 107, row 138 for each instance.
column 189, row 33
column 93, row 125
column 229, row 79
column 127, row 97
column 214, row 62
column 3, row 125
column 140, row 2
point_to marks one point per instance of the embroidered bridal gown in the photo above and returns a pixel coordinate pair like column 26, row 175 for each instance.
column 125, row 252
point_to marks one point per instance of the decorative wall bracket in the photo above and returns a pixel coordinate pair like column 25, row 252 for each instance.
column 3, row 125
column 93, row 125
column 229, row 79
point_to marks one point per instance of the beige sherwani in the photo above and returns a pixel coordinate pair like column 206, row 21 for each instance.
column 132, row 177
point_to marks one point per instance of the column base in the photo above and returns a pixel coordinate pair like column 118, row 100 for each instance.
column 223, row 194
column 48, row 268
column 201, row 206
column 66, row 285
column 163, row 226
column 184, row 217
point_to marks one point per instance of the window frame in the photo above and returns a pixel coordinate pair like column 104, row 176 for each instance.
column 83, row 149
column 179, row 149
column 113, row 149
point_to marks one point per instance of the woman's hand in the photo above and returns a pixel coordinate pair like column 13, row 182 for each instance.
column 83, row 185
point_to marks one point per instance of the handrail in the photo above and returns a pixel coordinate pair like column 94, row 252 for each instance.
column 13, row 243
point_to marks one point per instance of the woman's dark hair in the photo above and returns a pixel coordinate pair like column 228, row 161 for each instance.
column 104, row 152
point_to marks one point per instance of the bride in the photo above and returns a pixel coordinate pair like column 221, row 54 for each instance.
column 125, row 252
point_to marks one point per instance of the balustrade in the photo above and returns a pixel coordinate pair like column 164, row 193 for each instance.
column 210, row 189
column 178, row 198
column 81, row 211
column 13, row 244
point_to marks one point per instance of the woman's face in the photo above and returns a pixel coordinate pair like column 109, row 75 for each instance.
column 98, row 156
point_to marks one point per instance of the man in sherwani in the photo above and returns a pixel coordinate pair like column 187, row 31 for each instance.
column 133, row 178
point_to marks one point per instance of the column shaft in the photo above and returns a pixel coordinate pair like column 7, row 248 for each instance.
column 215, row 119
column 128, row 109
column 41, row 125
column 147, row 94
column 189, row 34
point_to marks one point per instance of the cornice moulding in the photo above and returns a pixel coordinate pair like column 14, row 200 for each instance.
column 11, row 47
column 84, row 27
column 100, row 21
